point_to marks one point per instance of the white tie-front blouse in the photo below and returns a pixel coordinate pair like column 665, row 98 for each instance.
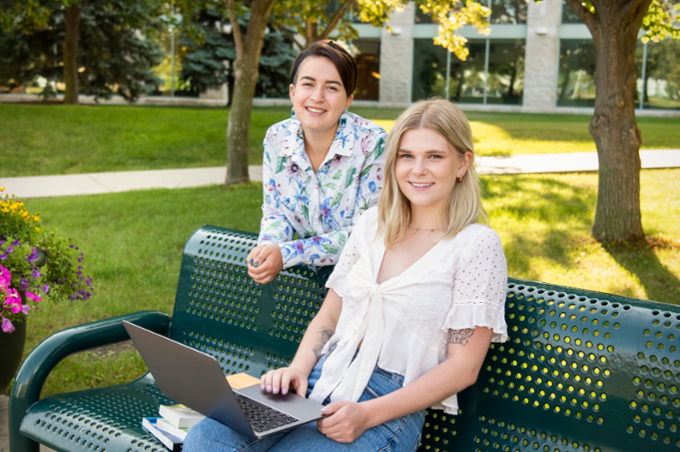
column 404, row 322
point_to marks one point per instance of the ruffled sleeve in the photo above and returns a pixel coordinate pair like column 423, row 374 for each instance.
column 479, row 287
column 350, row 253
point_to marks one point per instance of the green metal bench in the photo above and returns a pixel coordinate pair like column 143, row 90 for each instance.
column 582, row 371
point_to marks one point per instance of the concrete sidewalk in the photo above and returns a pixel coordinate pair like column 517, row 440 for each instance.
column 98, row 183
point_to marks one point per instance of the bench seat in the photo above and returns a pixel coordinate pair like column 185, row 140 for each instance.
column 582, row 370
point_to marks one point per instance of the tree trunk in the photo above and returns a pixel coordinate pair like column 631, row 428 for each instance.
column 72, row 22
column 246, row 70
column 613, row 126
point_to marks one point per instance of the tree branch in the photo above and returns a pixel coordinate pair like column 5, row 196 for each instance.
column 285, row 31
column 634, row 7
column 235, row 28
column 337, row 17
column 584, row 14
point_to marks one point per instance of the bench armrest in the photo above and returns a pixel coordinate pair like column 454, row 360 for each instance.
column 34, row 371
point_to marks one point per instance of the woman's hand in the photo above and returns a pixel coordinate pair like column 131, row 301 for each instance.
column 346, row 421
column 264, row 263
column 284, row 378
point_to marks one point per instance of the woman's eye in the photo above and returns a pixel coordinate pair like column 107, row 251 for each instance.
column 332, row 88
column 435, row 156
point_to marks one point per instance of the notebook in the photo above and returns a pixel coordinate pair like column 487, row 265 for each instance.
column 195, row 379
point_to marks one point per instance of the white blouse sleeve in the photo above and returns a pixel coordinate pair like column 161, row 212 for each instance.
column 350, row 253
column 479, row 287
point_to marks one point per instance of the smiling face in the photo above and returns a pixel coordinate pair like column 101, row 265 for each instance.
column 318, row 95
column 426, row 169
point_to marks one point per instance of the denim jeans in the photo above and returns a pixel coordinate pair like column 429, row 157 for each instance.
column 401, row 434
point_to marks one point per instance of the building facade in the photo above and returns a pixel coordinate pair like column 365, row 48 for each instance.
column 538, row 57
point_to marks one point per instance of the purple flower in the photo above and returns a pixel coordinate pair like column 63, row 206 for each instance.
column 74, row 296
column 24, row 285
column 16, row 242
column 10, row 249
column 34, row 255
column 3, row 257
column 36, row 274
column 7, row 326
column 45, row 288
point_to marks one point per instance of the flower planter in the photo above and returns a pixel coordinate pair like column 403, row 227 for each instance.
column 11, row 350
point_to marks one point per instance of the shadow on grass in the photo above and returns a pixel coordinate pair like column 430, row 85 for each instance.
column 553, row 214
column 641, row 260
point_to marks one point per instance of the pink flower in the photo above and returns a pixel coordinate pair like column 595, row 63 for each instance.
column 33, row 296
column 7, row 326
column 5, row 277
column 25, row 308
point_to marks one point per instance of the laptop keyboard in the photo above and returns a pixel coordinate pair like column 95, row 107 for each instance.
column 262, row 417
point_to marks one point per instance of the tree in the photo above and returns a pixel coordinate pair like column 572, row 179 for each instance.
column 104, row 44
column 614, row 26
column 211, row 54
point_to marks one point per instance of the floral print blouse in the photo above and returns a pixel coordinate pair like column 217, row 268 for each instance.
column 320, row 207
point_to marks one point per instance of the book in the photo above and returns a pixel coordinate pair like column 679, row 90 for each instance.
column 181, row 416
column 166, row 426
column 170, row 441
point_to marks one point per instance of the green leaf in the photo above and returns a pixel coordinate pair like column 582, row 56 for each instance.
column 350, row 177
column 280, row 164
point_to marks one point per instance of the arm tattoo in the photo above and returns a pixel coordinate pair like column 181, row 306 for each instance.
column 325, row 334
column 460, row 336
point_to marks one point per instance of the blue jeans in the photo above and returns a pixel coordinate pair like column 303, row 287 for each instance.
column 401, row 434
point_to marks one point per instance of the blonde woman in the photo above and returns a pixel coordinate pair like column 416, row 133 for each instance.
column 413, row 304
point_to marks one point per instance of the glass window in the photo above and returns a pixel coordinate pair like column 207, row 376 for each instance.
column 421, row 17
column 506, row 72
column 366, row 53
column 164, row 70
column 576, row 86
column 508, row 12
column 568, row 15
column 429, row 69
column 661, row 85
column 467, row 77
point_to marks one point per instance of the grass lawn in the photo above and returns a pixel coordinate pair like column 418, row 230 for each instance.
column 38, row 139
column 133, row 244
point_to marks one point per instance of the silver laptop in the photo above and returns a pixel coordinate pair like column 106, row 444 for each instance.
column 195, row 379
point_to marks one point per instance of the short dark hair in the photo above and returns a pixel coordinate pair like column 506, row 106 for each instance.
column 341, row 59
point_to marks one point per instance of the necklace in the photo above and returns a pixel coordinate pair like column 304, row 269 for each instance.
column 416, row 230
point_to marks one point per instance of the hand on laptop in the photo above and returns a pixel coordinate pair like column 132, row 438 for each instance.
column 284, row 378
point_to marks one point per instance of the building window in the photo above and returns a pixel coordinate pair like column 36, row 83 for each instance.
column 468, row 78
column 506, row 72
column 575, row 85
column 658, row 84
column 493, row 72
column 429, row 69
column 366, row 53
column 508, row 12
column 568, row 15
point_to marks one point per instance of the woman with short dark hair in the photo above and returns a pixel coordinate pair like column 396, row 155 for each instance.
column 321, row 168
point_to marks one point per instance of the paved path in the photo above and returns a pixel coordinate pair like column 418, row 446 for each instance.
column 98, row 183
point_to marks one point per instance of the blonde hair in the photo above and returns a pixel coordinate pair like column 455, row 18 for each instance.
column 465, row 202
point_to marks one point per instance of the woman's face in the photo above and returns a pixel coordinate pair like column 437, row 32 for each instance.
column 426, row 168
column 318, row 95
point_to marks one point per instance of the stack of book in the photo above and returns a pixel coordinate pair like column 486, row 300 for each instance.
column 175, row 421
column 172, row 426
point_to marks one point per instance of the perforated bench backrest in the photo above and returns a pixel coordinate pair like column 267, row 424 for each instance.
column 582, row 371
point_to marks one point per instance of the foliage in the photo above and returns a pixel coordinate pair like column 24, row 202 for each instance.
column 34, row 260
column 118, row 46
column 209, row 62
column 658, row 23
column 316, row 20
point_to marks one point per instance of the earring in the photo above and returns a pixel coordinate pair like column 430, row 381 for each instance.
column 459, row 178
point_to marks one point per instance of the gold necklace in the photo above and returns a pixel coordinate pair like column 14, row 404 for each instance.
column 416, row 229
